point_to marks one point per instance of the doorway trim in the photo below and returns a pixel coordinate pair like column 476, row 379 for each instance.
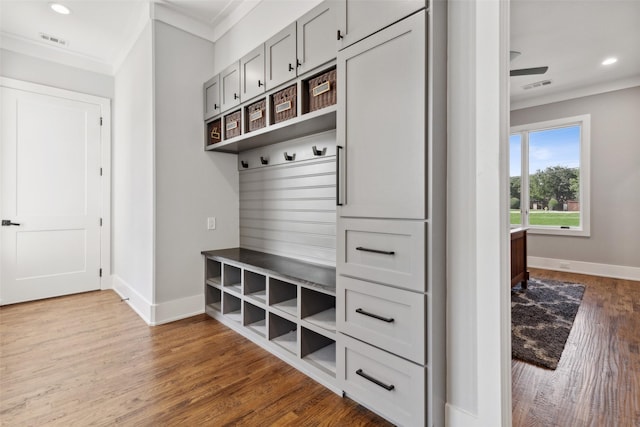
column 105, row 160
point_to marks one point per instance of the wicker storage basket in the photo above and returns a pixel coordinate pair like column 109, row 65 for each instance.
column 232, row 125
column 283, row 104
column 322, row 90
column 256, row 115
column 214, row 134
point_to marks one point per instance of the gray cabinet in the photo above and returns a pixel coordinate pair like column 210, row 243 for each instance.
column 212, row 97
column 230, row 86
column 316, row 33
column 281, row 57
column 382, row 99
column 252, row 74
column 358, row 19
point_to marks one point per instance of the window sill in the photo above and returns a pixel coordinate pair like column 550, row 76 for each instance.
column 571, row 232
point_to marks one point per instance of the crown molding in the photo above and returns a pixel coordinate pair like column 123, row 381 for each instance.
column 44, row 51
column 577, row 93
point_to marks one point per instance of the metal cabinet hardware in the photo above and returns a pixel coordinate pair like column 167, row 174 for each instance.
column 375, row 316
column 388, row 387
column 375, row 251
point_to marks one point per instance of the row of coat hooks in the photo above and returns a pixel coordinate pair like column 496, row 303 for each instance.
column 288, row 157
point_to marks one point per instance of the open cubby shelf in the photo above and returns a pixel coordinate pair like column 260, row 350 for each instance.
column 292, row 318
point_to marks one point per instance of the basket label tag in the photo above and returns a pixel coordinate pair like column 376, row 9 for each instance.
column 321, row 88
column 232, row 125
column 215, row 134
column 255, row 116
column 284, row 106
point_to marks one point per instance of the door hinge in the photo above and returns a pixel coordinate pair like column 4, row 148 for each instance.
column 100, row 272
column 100, row 121
column 100, row 222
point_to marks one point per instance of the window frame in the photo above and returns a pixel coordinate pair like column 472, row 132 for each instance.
column 584, row 121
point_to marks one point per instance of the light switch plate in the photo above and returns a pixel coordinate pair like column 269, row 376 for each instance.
column 211, row 223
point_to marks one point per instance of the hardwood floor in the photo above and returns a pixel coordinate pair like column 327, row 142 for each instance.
column 597, row 382
column 88, row 359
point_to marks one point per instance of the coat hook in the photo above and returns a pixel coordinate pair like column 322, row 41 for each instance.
column 244, row 164
column 317, row 152
column 288, row 157
column 264, row 161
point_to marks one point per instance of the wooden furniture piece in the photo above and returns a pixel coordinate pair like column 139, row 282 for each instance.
column 519, row 273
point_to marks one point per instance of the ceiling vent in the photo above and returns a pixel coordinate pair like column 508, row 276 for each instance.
column 53, row 39
column 537, row 84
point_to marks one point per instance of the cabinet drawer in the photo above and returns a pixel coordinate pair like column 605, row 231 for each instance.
column 387, row 251
column 386, row 384
column 389, row 318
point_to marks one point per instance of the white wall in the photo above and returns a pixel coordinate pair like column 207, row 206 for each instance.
column 190, row 184
column 35, row 70
column 615, row 179
column 264, row 21
column 132, row 168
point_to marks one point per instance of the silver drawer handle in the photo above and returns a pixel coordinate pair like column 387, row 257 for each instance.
column 388, row 387
column 375, row 316
column 375, row 251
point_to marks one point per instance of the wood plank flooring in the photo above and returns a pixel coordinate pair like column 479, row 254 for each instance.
column 597, row 382
column 88, row 359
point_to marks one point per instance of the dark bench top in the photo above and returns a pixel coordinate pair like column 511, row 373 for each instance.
column 304, row 273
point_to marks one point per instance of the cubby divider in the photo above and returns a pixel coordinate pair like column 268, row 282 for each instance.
column 232, row 279
column 213, row 272
column 255, row 319
column 255, row 287
column 232, row 307
column 318, row 350
column 318, row 308
column 283, row 296
column 283, row 332
column 213, row 299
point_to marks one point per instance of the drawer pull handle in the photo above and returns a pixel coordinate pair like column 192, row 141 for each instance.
column 375, row 251
column 388, row 387
column 375, row 316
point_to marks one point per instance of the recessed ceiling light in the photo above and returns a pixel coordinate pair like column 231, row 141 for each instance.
column 609, row 61
column 61, row 9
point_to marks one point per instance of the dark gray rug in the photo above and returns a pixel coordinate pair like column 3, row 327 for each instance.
column 541, row 319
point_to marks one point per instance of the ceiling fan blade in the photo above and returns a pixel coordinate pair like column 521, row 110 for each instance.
column 529, row 71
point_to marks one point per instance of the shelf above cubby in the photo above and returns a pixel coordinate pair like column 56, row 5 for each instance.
column 306, row 124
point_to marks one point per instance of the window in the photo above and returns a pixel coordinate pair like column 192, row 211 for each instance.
column 549, row 176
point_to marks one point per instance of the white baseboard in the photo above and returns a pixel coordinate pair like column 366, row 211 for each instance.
column 177, row 309
column 137, row 302
column 581, row 267
column 157, row 314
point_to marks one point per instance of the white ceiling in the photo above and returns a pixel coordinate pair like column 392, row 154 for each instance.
column 572, row 37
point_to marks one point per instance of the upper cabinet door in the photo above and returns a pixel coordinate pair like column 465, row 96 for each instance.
column 281, row 57
column 230, row 86
column 212, row 97
column 358, row 19
column 317, row 36
column 252, row 74
column 381, row 123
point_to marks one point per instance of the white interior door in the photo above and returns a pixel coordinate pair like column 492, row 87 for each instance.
column 50, row 186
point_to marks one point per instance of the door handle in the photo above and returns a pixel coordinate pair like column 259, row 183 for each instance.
column 7, row 222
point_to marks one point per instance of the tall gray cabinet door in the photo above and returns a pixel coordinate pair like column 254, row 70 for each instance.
column 252, row 73
column 317, row 36
column 357, row 18
column 381, row 123
column 281, row 57
column 212, row 97
column 230, row 86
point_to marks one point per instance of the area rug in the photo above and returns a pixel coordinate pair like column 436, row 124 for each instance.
column 541, row 319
